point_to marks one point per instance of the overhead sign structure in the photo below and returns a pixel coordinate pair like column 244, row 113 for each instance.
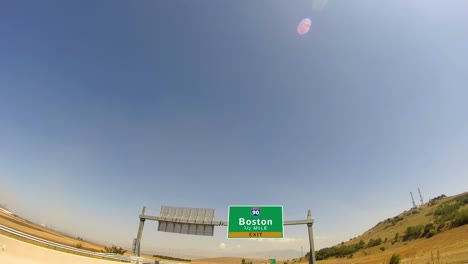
column 247, row 221
column 244, row 222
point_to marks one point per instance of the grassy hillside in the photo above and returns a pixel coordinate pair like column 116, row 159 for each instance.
column 448, row 247
column 410, row 229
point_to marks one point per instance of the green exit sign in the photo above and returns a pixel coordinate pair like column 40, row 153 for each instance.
column 249, row 221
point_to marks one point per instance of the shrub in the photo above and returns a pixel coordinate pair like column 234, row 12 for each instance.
column 432, row 201
column 446, row 209
column 461, row 218
column 395, row 259
column 361, row 244
column 429, row 230
column 462, row 200
column 339, row 251
column 431, row 233
column 446, row 213
column 114, row 250
column 374, row 242
column 79, row 246
column 440, row 227
column 413, row 232
column 382, row 248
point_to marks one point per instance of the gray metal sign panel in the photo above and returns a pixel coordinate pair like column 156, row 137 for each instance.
column 191, row 215
column 184, row 228
column 191, row 221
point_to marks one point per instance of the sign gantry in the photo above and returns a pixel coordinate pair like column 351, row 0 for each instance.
column 245, row 221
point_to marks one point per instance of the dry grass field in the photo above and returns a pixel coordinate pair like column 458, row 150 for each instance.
column 44, row 233
column 41, row 232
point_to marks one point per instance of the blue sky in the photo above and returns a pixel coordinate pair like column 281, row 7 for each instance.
column 108, row 106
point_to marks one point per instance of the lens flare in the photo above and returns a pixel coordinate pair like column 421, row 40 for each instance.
column 304, row 26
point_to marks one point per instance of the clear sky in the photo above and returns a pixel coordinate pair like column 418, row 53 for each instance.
column 108, row 106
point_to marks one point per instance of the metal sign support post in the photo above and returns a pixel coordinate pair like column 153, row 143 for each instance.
column 140, row 232
column 311, row 239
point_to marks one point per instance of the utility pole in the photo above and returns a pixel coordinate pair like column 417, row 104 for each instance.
column 420, row 196
column 412, row 199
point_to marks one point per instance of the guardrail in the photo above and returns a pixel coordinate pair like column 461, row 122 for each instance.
column 131, row 259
